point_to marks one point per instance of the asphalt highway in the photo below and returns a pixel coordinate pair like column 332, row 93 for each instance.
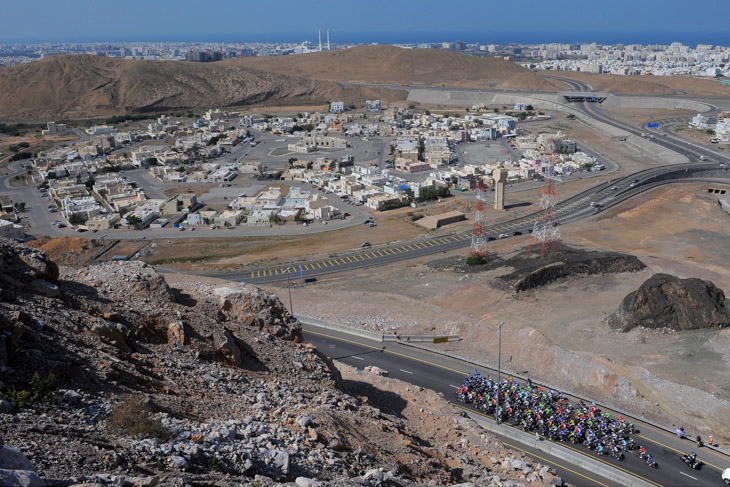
column 577, row 207
column 443, row 374
column 687, row 148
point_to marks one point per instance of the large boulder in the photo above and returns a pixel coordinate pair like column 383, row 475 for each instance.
column 252, row 306
column 12, row 459
column 665, row 301
column 23, row 267
column 20, row 478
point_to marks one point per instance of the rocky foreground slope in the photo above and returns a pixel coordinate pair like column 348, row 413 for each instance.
column 112, row 377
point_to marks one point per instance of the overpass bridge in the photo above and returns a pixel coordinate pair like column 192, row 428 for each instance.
column 583, row 96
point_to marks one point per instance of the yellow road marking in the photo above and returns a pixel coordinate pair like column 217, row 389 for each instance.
column 348, row 259
column 554, row 463
column 382, row 349
column 319, row 265
column 252, row 274
column 678, row 451
column 398, row 354
column 565, row 445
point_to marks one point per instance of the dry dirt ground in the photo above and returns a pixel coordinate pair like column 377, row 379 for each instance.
column 558, row 333
column 651, row 85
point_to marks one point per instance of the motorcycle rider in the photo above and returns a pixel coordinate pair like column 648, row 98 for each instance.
column 692, row 459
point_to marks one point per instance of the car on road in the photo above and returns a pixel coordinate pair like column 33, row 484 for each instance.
column 517, row 233
column 212, row 227
column 726, row 476
column 614, row 188
column 80, row 230
column 324, row 222
column 489, row 239
column 632, row 185
column 365, row 244
column 503, row 235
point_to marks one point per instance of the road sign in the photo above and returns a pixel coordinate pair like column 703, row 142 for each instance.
column 440, row 339
column 653, row 125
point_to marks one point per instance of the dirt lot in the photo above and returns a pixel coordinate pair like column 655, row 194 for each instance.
column 557, row 333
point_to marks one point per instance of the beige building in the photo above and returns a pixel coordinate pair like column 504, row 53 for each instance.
column 103, row 222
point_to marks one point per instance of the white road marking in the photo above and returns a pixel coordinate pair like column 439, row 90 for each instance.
column 688, row 475
column 359, row 358
column 406, row 371
column 450, row 385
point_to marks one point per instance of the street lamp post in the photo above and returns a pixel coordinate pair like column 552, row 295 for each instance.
column 103, row 238
column 499, row 370
column 288, row 286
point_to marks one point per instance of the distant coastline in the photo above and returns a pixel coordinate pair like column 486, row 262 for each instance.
column 691, row 38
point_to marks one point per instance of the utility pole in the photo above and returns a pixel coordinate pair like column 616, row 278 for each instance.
column 103, row 239
column 288, row 285
column 499, row 370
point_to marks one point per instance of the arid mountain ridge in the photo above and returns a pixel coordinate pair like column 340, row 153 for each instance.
column 72, row 87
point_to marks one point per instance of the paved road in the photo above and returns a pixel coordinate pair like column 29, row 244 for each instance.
column 444, row 375
column 670, row 141
column 606, row 194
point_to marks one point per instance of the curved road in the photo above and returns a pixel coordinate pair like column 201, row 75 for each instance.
column 607, row 194
column 444, row 375
column 689, row 149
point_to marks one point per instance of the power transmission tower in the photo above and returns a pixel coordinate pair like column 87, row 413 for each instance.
column 479, row 234
column 546, row 231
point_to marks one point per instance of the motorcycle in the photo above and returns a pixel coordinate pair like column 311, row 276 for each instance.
column 693, row 463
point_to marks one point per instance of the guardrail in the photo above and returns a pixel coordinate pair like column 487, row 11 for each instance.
column 558, row 451
column 482, row 366
column 379, row 337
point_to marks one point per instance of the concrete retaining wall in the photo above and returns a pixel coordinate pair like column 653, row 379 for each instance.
column 379, row 337
column 555, row 449
column 667, row 156
column 656, row 102
column 548, row 101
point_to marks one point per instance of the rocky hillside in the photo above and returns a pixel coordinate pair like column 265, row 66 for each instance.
column 112, row 377
column 68, row 87
column 665, row 301
column 390, row 64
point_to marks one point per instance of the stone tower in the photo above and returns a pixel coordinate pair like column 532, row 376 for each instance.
column 500, row 178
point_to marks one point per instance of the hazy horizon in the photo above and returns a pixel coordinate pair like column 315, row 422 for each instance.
column 378, row 21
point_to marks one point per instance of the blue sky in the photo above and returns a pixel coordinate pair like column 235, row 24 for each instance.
column 229, row 20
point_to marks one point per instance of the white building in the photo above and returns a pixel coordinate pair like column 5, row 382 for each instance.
column 101, row 129
column 337, row 107
column 11, row 230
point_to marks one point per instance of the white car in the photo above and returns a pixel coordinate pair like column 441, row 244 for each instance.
column 503, row 235
column 726, row 476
